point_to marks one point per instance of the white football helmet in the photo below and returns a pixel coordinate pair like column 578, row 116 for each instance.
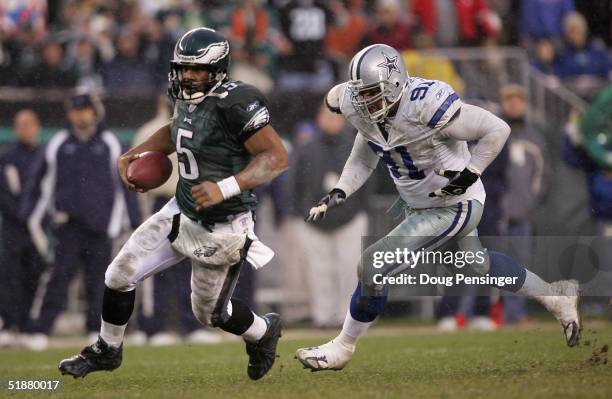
column 377, row 77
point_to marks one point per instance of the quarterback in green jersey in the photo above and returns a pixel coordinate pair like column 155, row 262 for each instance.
column 221, row 132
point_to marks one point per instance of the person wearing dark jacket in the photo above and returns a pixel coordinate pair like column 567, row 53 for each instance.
column 581, row 57
column 330, row 246
column 20, row 263
column 75, row 184
column 527, row 174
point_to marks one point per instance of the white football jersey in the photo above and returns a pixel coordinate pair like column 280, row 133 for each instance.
column 414, row 147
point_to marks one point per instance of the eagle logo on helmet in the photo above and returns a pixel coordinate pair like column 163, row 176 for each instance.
column 390, row 64
column 209, row 54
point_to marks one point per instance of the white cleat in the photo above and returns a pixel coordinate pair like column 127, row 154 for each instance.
column 482, row 323
column 564, row 305
column 35, row 342
column 203, row 337
column 137, row 338
column 447, row 324
column 333, row 355
column 163, row 339
column 7, row 339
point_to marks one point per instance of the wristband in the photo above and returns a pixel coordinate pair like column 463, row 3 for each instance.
column 229, row 187
column 473, row 169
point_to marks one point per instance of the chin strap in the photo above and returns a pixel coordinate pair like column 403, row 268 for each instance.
column 201, row 98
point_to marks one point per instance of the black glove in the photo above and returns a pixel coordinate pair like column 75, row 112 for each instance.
column 458, row 182
column 334, row 198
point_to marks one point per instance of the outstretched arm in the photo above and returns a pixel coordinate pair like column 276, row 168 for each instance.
column 269, row 160
column 358, row 168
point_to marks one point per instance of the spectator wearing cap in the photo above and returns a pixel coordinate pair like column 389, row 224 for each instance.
column 20, row 263
column 75, row 185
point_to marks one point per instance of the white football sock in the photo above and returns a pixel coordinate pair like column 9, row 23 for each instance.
column 534, row 286
column 257, row 329
column 112, row 334
column 352, row 330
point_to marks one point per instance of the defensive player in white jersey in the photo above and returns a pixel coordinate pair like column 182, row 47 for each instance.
column 420, row 129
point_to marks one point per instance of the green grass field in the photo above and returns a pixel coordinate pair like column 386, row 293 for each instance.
column 391, row 362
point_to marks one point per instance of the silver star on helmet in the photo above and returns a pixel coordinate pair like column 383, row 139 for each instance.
column 390, row 64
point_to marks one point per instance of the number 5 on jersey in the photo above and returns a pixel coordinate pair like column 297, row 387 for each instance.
column 190, row 171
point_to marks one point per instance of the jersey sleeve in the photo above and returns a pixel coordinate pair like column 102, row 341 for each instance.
column 246, row 111
column 439, row 105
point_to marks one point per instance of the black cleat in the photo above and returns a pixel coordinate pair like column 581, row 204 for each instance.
column 96, row 357
column 262, row 353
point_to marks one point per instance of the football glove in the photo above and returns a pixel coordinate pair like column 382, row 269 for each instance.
column 458, row 182
column 334, row 198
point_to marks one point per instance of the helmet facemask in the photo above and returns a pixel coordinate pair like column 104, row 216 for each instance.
column 373, row 101
column 191, row 91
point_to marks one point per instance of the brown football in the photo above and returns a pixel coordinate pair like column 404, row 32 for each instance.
column 150, row 170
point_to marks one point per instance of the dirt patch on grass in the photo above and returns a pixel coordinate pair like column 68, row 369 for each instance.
column 598, row 357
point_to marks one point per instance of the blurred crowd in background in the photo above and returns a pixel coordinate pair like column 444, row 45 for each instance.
column 117, row 48
column 289, row 44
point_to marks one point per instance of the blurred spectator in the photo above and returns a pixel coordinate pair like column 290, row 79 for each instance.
column 253, row 44
column 508, row 14
column 75, row 182
column 330, row 246
column 128, row 69
column 580, row 56
column 599, row 18
column 52, row 71
column 345, row 35
column 545, row 58
column 101, row 28
column 86, row 62
column 20, row 263
column 543, row 18
column 391, row 27
column 158, row 49
column 154, row 314
column 588, row 147
column 456, row 22
column 527, row 176
column 15, row 15
column 7, row 77
column 302, row 65
column 583, row 149
column 216, row 13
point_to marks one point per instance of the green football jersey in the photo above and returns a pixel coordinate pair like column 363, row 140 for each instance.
column 209, row 139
